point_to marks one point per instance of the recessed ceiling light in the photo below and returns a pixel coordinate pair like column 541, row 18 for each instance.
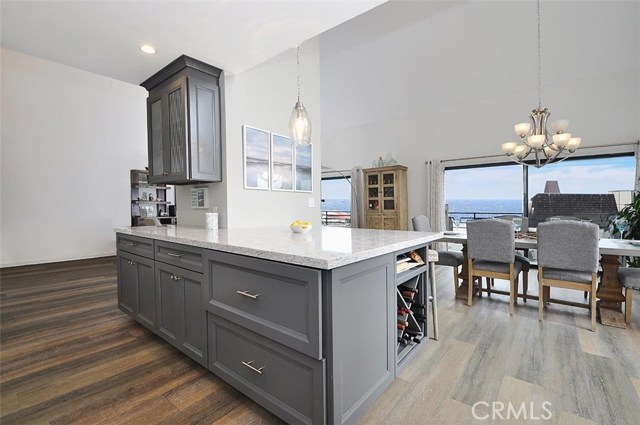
column 148, row 49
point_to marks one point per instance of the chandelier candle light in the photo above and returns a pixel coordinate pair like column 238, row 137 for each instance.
column 534, row 136
column 299, row 123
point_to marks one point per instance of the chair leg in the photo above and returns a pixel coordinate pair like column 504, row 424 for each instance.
column 627, row 304
column 470, row 284
column 512, row 284
column 434, row 299
column 456, row 280
column 585, row 294
column 592, row 301
column 540, row 294
column 525, row 285
column 489, row 285
column 547, row 295
column 517, row 288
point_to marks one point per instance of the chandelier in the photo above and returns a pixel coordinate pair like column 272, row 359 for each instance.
column 536, row 147
column 299, row 123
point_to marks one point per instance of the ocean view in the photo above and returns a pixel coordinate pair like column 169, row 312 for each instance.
column 336, row 205
column 462, row 208
column 483, row 207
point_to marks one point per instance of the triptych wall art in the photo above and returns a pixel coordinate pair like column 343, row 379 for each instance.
column 271, row 162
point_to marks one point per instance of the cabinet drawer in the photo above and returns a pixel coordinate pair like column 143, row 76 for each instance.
column 180, row 255
column 279, row 301
column 135, row 245
column 287, row 383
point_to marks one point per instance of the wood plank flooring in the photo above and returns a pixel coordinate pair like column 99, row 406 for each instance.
column 69, row 356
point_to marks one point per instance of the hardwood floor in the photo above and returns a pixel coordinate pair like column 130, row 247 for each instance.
column 69, row 356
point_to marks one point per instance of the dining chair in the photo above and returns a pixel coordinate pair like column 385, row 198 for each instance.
column 567, row 258
column 630, row 280
column 452, row 259
column 510, row 217
column 491, row 254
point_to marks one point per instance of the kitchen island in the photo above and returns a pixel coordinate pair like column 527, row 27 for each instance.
column 308, row 325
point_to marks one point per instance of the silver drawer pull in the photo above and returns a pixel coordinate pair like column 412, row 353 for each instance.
column 246, row 294
column 174, row 277
column 130, row 243
column 173, row 254
column 248, row 364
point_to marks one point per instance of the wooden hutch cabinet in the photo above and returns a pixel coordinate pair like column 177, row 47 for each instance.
column 386, row 198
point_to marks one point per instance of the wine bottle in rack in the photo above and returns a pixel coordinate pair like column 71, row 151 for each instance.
column 412, row 333
column 412, row 290
column 403, row 323
column 403, row 311
column 400, row 327
column 408, row 300
column 410, row 338
column 403, row 341
column 408, row 294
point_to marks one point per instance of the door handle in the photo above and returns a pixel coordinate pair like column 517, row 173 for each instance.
column 248, row 364
column 248, row 295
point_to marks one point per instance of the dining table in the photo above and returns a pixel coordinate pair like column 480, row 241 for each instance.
column 609, row 293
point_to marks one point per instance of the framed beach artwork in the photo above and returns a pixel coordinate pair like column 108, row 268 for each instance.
column 304, row 177
column 281, row 163
column 256, row 158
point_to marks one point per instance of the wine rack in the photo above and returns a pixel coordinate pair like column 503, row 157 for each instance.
column 411, row 324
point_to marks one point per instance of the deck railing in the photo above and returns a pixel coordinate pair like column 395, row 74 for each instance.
column 474, row 215
column 336, row 218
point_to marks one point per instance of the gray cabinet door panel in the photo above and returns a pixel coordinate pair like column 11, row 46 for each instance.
column 286, row 382
column 180, row 310
column 279, row 301
column 194, row 342
column 180, row 255
column 127, row 283
column 361, row 335
column 169, row 301
column 146, row 313
column 204, row 116
column 135, row 245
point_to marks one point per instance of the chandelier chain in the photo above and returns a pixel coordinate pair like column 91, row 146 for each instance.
column 298, row 68
column 539, row 61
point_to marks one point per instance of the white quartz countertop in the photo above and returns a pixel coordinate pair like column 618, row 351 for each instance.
column 322, row 248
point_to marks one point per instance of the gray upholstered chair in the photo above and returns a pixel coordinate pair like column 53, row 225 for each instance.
column 445, row 258
column 491, row 249
column 630, row 280
column 568, row 258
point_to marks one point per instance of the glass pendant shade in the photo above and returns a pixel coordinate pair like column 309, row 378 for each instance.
column 300, row 125
column 522, row 129
column 559, row 126
column 520, row 151
column 574, row 143
column 536, row 141
column 509, row 147
column 561, row 139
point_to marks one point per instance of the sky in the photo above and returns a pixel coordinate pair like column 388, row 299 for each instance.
column 336, row 189
column 576, row 176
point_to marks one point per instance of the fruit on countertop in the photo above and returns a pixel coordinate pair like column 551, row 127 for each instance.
column 300, row 226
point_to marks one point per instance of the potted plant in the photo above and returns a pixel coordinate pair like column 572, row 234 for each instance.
column 626, row 225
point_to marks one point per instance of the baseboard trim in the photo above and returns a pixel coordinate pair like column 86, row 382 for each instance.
column 56, row 260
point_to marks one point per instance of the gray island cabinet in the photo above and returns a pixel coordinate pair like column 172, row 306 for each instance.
column 309, row 326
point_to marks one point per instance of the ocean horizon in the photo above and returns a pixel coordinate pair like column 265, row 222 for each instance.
column 462, row 208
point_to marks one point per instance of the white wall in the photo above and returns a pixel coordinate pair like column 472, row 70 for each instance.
column 263, row 97
column 442, row 80
column 69, row 139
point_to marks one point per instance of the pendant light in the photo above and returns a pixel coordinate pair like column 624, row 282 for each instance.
column 299, row 123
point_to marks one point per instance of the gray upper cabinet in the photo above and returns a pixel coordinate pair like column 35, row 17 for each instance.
column 184, row 123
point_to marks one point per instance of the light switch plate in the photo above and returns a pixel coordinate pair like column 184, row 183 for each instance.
column 312, row 202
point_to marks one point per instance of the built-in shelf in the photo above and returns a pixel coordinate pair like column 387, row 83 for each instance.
column 145, row 185
column 140, row 201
